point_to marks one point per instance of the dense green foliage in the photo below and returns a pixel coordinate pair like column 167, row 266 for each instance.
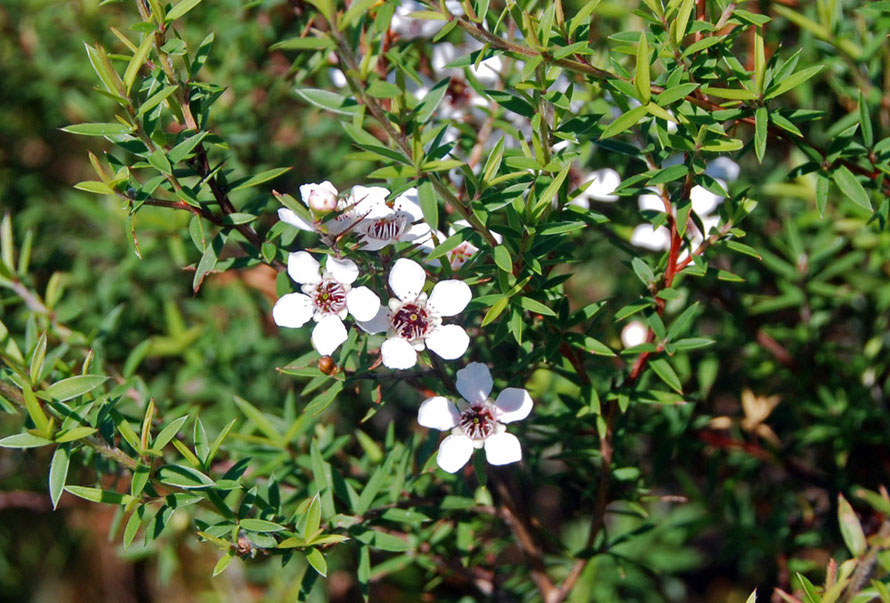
column 707, row 351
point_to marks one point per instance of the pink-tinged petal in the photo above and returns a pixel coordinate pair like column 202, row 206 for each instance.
column 398, row 354
column 474, row 382
column 438, row 413
column 448, row 341
column 363, row 303
column 328, row 334
column 306, row 190
column 406, row 279
column 319, row 197
column 344, row 271
column 293, row 310
column 303, row 268
column 378, row 324
column 513, row 404
column 290, row 217
column 449, row 297
column 503, row 449
column 454, row 452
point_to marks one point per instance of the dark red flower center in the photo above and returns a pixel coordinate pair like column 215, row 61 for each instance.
column 386, row 229
column 411, row 322
column 330, row 297
column 477, row 422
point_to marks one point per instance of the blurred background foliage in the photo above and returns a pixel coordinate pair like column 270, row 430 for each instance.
column 805, row 334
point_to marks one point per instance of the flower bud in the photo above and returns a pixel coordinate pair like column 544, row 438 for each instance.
column 327, row 365
column 321, row 200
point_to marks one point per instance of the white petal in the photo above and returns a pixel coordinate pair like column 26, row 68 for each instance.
column 344, row 271
column 703, row 200
column 408, row 202
column 650, row 201
column 605, row 181
column 502, row 449
column 450, row 297
column 723, row 168
column 514, row 404
column 364, row 199
column 419, row 234
column 328, row 334
column 289, row 216
column 292, row 310
column 398, row 353
column 406, row 278
column 448, row 341
column 378, row 324
column 634, row 333
column 649, row 238
column 454, row 452
column 474, row 382
column 307, row 189
column 363, row 303
column 438, row 413
column 303, row 268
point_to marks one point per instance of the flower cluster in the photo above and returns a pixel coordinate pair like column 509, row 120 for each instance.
column 413, row 319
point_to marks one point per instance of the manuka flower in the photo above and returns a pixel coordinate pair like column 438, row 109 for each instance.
column 323, row 199
column 476, row 421
column 413, row 321
column 327, row 297
column 381, row 223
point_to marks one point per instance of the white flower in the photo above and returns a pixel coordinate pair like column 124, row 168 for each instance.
column 477, row 421
column 444, row 53
column 634, row 333
column 602, row 184
column 647, row 237
column 413, row 321
column 327, row 297
column 381, row 223
column 651, row 200
column 321, row 198
column 461, row 254
column 703, row 200
column 723, row 168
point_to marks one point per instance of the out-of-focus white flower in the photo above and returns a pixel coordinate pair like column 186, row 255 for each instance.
column 634, row 333
column 461, row 254
column 647, row 237
column 477, row 421
column 651, row 201
column 444, row 53
column 413, row 321
column 410, row 28
column 327, row 297
column 723, row 168
column 603, row 183
column 703, row 200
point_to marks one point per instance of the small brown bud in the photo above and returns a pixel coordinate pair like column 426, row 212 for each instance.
column 327, row 365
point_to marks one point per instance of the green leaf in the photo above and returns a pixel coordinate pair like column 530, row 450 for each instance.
column 37, row 357
column 181, row 9
column 58, row 473
column 729, row 93
column 597, row 347
column 495, row 310
column 533, row 305
column 94, row 186
column 184, row 477
column 851, row 529
column 868, row 138
column 307, row 43
column 260, row 178
column 223, row 563
column 642, row 83
column 155, row 99
column 35, row 411
column 97, row 495
column 24, row 440
column 98, row 129
column 643, row 271
column 822, row 185
column 260, row 525
column 330, row 101
column 502, row 259
column 666, row 372
column 759, row 61
column 168, row 433
column 375, row 483
column 760, row 131
column 356, row 9
column 72, row 387
column 675, row 93
column 313, row 518
column 257, row 418
column 551, row 191
column 625, row 121
column 73, row 434
column 137, row 61
column 317, row 561
column 850, row 187
column 792, row 81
